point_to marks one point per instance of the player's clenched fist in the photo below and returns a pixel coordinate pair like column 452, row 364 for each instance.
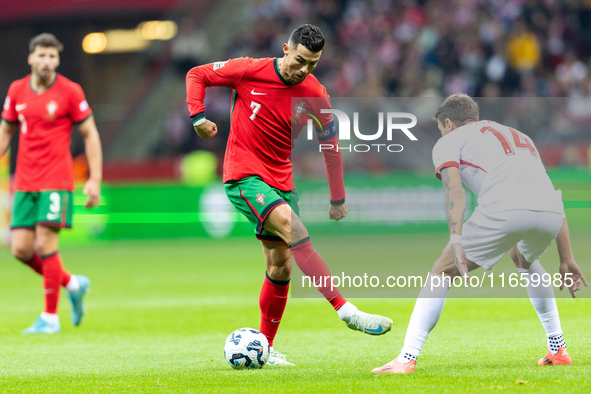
column 206, row 129
column 338, row 212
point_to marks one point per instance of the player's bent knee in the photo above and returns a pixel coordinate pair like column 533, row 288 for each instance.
column 278, row 258
column 22, row 252
column 282, row 272
column 518, row 259
column 279, row 268
column 513, row 254
column 445, row 264
column 284, row 223
column 448, row 271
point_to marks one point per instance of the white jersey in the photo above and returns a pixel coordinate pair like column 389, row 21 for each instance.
column 500, row 165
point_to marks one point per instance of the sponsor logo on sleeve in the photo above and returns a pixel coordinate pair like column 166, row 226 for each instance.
column 218, row 65
column 83, row 106
column 7, row 103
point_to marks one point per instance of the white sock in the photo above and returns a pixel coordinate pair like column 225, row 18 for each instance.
column 555, row 343
column 73, row 284
column 346, row 312
column 51, row 318
column 542, row 298
column 424, row 317
column 405, row 358
column 271, row 349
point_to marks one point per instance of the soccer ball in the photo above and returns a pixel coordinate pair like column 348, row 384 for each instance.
column 246, row 348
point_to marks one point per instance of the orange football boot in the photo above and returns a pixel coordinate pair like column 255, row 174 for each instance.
column 559, row 358
column 395, row 366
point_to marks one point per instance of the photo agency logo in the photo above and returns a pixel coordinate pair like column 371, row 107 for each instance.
column 397, row 124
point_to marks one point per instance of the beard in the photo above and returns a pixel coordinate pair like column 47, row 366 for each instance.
column 44, row 74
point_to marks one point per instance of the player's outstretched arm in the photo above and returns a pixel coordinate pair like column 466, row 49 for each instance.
column 455, row 205
column 333, row 165
column 6, row 130
column 571, row 274
column 334, row 172
column 94, row 154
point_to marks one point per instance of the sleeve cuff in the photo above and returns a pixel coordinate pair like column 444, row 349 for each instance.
column 10, row 121
column 444, row 165
column 198, row 118
column 336, row 203
column 83, row 120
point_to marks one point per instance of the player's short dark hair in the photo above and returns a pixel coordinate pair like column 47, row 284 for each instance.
column 459, row 108
column 309, row 36
column 45, row 40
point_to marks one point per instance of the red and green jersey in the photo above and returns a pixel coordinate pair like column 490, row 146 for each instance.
column 261, row 136
column 44, row 161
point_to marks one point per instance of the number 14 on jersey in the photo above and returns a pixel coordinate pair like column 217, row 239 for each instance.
column 520, row 140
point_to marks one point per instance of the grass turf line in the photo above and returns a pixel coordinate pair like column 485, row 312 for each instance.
column 159, row 313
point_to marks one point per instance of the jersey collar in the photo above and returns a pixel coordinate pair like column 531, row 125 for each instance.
column 47, row 88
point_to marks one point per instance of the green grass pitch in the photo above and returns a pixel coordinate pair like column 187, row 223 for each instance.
column 159, row 312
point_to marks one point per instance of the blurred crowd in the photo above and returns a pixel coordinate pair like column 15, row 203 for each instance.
column 437, row 47
column 433, row 48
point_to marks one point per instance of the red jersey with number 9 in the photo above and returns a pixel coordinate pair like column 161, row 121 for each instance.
column 44, row 161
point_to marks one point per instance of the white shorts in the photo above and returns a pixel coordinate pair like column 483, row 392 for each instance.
column 486, row 237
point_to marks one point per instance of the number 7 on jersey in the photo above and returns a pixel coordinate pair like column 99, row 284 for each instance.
column 255, row 108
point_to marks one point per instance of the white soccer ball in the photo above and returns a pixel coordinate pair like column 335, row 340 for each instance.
column 246, row 348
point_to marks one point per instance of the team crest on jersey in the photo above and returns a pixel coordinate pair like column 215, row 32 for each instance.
column 51, row 109
column 260, row 199
column 218, row 65
column 299, row 109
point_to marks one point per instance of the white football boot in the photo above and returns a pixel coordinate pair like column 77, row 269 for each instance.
column 277, row 359
column 369, row 324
